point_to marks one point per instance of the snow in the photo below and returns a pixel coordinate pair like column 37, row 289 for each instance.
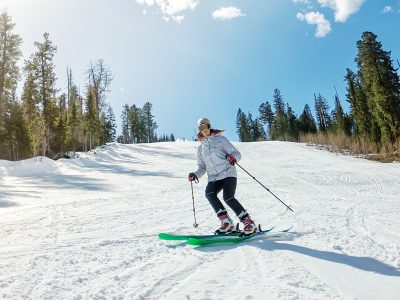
column 86, row 228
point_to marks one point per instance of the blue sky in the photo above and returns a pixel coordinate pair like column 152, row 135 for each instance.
column 194, row 58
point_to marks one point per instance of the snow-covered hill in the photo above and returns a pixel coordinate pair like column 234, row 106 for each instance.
column 87, row 228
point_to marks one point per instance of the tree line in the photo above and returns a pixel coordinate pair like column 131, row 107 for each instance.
column 46, row 121
column 283, row 124
column 373, row 94
column 139, row 126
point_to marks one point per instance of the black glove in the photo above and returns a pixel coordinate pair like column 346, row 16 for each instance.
column 192, row 177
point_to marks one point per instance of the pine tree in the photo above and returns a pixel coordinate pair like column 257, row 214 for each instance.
column 136, row 125
column 125, row 137
column 17, row 132
column 257, row 131
column 149, row 123
column 322, row 111
column 381, row 84
column 279, row 103
column 43, row 64
column 340, row 120
column 10, row 53
column 92, row 120
column 62, row 132
column 359, row 112
column 32, row 109
column 75, row 119
column 292, row 124
column 306, row 122
column 280, row 125
column 110, row 131
column 242, row 127
column 44, row 79
column 266, row 115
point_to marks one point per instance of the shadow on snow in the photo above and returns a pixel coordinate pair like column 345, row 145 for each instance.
column 359, row 262
column 5, row 203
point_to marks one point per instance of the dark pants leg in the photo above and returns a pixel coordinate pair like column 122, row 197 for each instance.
column 212, row 190
column 228, row 185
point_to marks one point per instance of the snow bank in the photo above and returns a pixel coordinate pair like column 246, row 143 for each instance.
column 29, row 167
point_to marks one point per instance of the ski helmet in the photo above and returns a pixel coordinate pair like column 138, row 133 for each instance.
column 203, row 123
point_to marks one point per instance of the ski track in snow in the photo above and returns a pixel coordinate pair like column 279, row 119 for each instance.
column 87, row 228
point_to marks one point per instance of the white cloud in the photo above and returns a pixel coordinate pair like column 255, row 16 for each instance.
column 227, row 13
column 387, row 9
column 343, row 8
column 171, row 9
column 306, row 2
column 316, row 18
column 147, row 2
column 300, row 16
column 178, row 19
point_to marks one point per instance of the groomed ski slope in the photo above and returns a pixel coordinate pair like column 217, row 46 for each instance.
column 87, row 228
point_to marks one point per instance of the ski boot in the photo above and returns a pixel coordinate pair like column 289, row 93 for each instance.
column 227, row 225
column 249, row 226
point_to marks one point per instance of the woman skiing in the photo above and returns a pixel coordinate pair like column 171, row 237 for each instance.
column 217, row 156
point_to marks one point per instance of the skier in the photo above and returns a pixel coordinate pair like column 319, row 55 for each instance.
column 217, row 156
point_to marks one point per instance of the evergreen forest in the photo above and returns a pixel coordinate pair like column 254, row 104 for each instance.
column 45, row 121
column 371, row 126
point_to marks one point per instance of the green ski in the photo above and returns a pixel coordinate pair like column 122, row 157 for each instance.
column 237, row 239
column 178, row 237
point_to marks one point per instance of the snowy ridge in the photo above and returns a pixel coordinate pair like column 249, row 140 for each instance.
column 86, row 228
column 33, row 166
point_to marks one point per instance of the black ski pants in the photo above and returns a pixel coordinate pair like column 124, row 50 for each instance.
column 228, row 186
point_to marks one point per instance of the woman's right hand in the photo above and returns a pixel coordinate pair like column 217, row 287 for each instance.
column 192, row 177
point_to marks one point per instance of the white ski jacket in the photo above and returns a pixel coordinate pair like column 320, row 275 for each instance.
column 211, row 158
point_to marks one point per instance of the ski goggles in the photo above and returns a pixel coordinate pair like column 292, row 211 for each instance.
column 203, row 126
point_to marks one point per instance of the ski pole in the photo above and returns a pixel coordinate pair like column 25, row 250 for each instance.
column 195, row 225
column 265, row 187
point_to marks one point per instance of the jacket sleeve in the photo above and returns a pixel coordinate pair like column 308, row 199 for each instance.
column 201, row 165
column 230, row 149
